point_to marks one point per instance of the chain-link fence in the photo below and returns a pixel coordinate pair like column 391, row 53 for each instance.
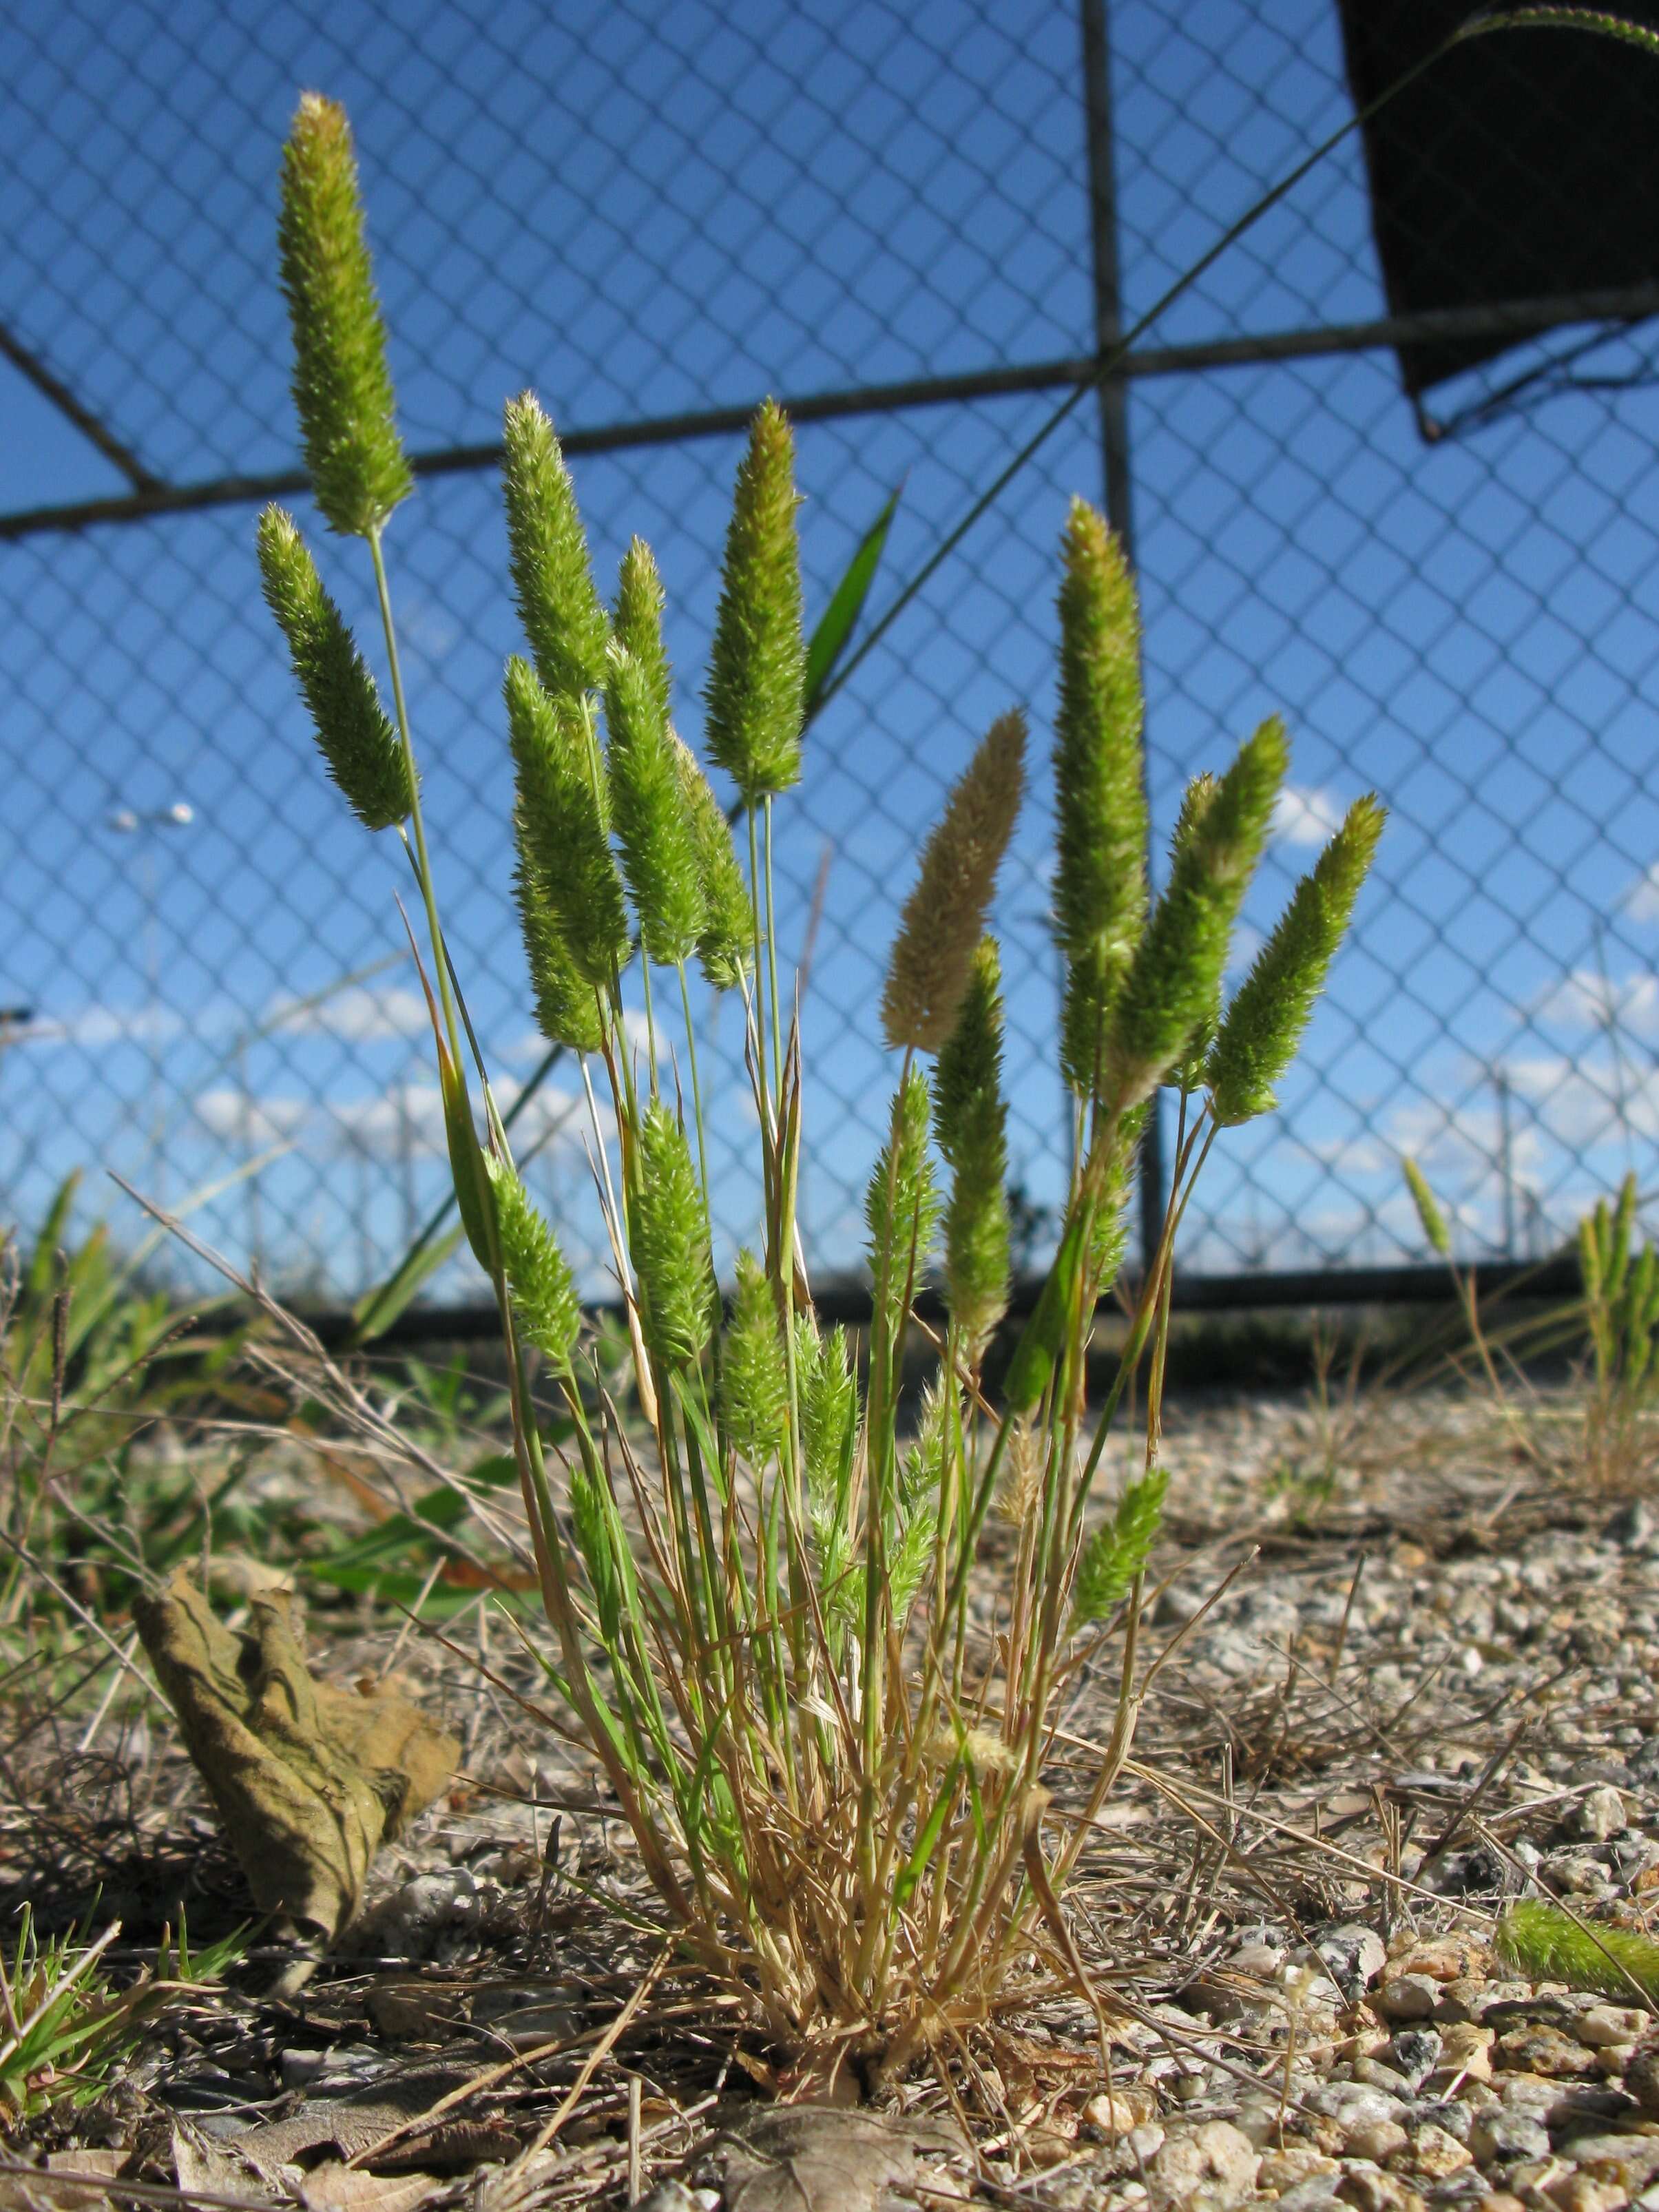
column 920, row 229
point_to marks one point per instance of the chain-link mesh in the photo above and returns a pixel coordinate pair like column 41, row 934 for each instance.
column 653, row 214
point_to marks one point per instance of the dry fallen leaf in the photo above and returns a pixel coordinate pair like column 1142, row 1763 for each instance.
column 355, row 2125
column 204, row 2167
column 336, row 2188
column 412, row 2009
column 821, row 2158
column 67, row 2184
column 309, row 1778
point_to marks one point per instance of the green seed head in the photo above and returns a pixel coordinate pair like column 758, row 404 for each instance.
column 1432, row 1220
column 592, row 1524
column 359, row 743
column 943, row 917
column 1589, row 1256
column 828, row 1400
column 560, row 795
column 757, row 666
column 1100, row 867
column 1109, row 1240
column 972, row 1121
column 648, row 808
column 829, row 1408
column 901, row 1204
column 639, row 601
column 552, row 578
column 1170, row 991
column 725, row 946
column 1549, row 1944
column 669, row 1233
column 1119, row 1549
column 567, row 1011
column 1188, row 1074
column 754, row 1377
column 543, row 1291
column 342, row 387
column 1263, row 1026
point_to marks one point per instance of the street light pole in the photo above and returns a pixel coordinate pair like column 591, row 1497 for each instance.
column 131, row 822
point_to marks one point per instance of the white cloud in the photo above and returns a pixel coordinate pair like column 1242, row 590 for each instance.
column 556, row 1120
column 1641, row 901
column 94, row 1027
column 1247, row 941
column 362, row 1013
column 408, row 1117
column 1307, row 814
column 1586, row 999
column 244, row 1119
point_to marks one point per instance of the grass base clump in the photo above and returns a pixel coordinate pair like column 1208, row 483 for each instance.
column 760, row 1610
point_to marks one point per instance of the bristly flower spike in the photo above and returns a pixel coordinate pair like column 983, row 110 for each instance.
column 1169, row 992
column 1188, row 1074
column 1269, row 1011
column 560, row 794
column 972, row 1124
column 1431, row 1219
column 341, row 386
column 670, row 1239
column 552, row 576
column 358, row 742
column 1120, row 1548
column 649, row 812
column 543, row 1291
column 901, row 1206
column 943, row 917
column 1100, row 869
column 757, row 665
column 725, row 928
column 726, row 945
column 754, row 1378
column 639, row 601
column 567, row 1010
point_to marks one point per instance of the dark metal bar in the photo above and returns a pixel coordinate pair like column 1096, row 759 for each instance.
column 1112, row 394
column 1518, row 316
column 847, row 1301
column 51, row 387
column 1631, row 303
column 606, row 438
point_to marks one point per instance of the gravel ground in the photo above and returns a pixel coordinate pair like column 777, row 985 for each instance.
column 1426, row 1688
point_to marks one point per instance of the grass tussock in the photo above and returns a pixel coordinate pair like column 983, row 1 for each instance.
column 758, row 1597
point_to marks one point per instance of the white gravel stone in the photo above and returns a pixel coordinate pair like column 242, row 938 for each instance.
column 1598, row 1814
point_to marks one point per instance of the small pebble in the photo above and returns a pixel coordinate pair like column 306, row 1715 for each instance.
column 1369, row 2190
column 1215, row 2159
column 1599, row 1814
column 1408, row 1998
column 1284, row 2169
column 1415, row 2053
column 1376, row 2139
column 1604, row 2024
column 1507, row 2135
column 1434, row 2154
column 1353, row 1956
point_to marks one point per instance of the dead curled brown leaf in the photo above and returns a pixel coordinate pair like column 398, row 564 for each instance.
column 817, row 2158
column 309, row 1778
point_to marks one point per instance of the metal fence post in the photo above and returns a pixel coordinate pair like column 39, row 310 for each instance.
column 1112, row 393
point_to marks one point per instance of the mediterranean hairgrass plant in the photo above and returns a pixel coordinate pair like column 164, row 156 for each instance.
column 1614, row 1322
column 762, row 1610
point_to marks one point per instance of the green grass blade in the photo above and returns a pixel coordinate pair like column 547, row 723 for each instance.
column 840, row 618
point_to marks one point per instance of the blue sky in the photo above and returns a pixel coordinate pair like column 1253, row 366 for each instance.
column 643, row 210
